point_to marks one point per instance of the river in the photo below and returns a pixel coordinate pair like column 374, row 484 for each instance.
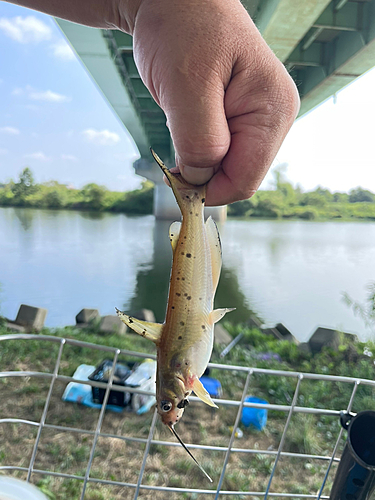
column 293, row 272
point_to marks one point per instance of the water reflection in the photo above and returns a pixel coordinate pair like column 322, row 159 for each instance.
column 25, row 216
column 92, row 215
column 153, row 282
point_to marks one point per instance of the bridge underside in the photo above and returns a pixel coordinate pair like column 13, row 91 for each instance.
column 324, row 44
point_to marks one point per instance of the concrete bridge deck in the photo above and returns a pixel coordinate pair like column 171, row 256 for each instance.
column 324, row 44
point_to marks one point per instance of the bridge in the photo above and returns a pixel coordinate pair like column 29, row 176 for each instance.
column 324, row 44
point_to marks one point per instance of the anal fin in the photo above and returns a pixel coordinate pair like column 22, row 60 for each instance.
column 202, row 394
column 151, row 331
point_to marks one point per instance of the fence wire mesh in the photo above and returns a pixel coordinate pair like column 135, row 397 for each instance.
column 124, row 452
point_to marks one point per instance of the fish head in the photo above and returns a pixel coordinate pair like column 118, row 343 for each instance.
column 171, row 401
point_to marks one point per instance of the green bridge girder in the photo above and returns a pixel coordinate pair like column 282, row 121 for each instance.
column 324, row 45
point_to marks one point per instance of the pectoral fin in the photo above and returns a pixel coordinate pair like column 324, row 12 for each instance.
column 151, row 331
column 174, row 233
column 202, row 394
column 217, row 314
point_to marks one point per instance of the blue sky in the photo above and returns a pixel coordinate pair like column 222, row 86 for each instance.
column 54, row 119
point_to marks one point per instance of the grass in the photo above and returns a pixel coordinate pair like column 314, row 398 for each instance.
column 115, row 459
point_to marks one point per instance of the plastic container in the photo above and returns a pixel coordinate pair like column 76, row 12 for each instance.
column 255, row 417
column 14, row 489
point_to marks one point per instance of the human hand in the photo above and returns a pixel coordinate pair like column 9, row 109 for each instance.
column 229, row 101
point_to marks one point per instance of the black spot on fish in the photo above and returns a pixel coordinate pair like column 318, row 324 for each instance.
column 130, row 320
column 196, row 215
column 172, row 307
column 171, row 234
column 203, row 200
column 191, row 213
column 203, row 327
column 185, row 294
column 196, row 194
column 187, row 196
column 183, row 279
column 188, row 297
column 182, row 323
column 178, row 294
column 182, row 253
column 178, row 279
column 188, row 255
column 186, row 363
column 184, row 237
column 179, row 337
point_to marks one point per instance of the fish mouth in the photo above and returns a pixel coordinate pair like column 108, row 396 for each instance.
column 171, row 427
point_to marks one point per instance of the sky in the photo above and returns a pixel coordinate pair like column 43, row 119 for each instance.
column 55, row 120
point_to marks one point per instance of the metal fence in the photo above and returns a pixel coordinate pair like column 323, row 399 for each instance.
column 135, row 488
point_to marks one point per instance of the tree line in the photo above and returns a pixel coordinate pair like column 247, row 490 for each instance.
column 288, row 202
column 26, row 193
column 285, row 201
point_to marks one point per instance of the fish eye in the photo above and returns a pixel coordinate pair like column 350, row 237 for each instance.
column 166, row 406
column 183, row 403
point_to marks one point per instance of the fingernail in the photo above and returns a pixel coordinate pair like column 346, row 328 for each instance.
column 196, row 175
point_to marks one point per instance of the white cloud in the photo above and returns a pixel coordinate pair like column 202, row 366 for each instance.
column 103, row 137
column 69, row 157
column 49, row 96
column 36, row 95
column 62, row 50
column 38, row 156
column 10, row 130
column 27, row 29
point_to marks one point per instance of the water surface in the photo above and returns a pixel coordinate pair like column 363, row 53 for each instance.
column 287, row 271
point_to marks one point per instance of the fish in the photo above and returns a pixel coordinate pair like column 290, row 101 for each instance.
column 184, row 341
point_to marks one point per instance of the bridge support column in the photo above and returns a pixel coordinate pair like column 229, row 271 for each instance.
column 165, row 206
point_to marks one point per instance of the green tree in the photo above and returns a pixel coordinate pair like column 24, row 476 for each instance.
column 25, row 186
column 360, row 195
column 240, row 208
column 313, row 199
column 94, row 195
column 340, row 197
column 365, row 311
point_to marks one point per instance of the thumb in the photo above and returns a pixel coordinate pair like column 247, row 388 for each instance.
column 198, row 126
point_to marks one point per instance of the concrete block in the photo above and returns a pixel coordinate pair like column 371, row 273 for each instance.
column 144, row 315
column 254, row 322
column 11, row 325
column 112, row 324
column 32, row 318
column 304, row 347
column 273, row 332
column 87, row 315
column 324, row 337
column 221, row 336
column 285, row 333
column 327, row 337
